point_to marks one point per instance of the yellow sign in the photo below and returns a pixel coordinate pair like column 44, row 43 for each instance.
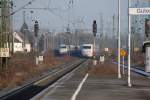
column 123, row 53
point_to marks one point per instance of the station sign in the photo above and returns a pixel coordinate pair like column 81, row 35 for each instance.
column 139, row 11
column 4, row 52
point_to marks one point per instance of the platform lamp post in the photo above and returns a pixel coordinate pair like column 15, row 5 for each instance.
column 94, row 44
column 129, row 45
column 119, row 41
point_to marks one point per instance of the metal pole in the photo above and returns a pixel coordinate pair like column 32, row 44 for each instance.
column 1, row 41
column 13, row 42
column 11, row 45
column 119, row 41
column 129, row 46
column 94, row 48
column 2, row 28
column 24, row 30
column 101, row 32
column 94, row 56
column 123, row 65
column 149, row 6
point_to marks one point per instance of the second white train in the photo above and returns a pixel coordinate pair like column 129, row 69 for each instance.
column 87, row 50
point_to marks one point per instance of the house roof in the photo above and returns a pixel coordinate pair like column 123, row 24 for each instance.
column 19, row 37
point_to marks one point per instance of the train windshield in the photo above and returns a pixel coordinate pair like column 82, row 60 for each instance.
column 86, row 47
column 63, row 47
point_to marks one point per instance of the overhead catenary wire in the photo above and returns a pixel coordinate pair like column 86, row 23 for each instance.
column 51, row 10
column 29, row 3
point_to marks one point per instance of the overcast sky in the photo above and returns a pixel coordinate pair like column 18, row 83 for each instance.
column 87, row 10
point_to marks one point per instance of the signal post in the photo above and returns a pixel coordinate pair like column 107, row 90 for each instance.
column 123, row 54
column 94, row 44
column 36, row 30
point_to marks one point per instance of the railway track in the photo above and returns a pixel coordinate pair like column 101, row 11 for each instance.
column 137, row 70
column 31, row 89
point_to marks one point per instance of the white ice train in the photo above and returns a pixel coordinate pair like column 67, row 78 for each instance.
column 63, row 49
column 87, row 50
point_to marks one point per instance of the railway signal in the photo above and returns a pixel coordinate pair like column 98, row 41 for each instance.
column 36, row 28
column 94, row 33
column 94, row 28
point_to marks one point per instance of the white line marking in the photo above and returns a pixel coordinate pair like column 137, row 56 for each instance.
column 79, row 87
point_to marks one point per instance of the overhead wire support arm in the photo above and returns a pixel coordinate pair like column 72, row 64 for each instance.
column 48, row 9
column 29, row 3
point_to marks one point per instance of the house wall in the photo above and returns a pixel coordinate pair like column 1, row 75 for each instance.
column 28, row 47
column 18, row 47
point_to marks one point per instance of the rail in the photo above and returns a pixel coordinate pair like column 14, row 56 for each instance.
column 32, row 88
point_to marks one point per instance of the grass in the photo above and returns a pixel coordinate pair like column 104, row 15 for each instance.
column 22, row 68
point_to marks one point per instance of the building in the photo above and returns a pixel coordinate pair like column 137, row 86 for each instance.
column 48, row 41
column 19, row 44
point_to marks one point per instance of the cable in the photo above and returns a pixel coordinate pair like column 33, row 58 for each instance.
column 29, row 3
column 46, row 8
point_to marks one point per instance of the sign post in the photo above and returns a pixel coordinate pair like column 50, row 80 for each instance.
column 123, row 54
column 133, row 11
column 123, row 65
